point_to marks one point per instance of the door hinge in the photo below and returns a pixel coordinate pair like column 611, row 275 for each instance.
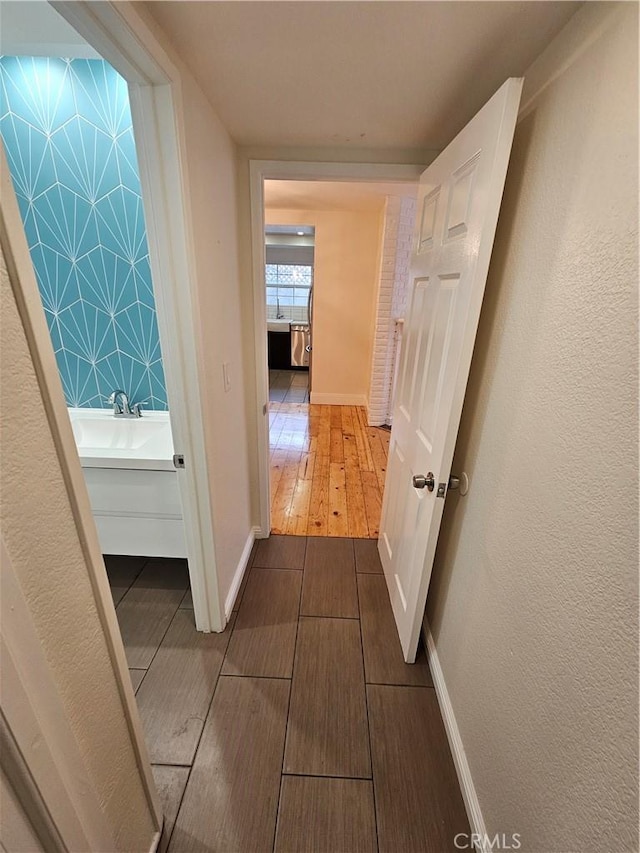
column 178, row 460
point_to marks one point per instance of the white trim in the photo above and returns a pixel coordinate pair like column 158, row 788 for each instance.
column 291, row 170
column 256, row 190
column 155, row 116
column 579, row 33
column 120, row 35
column 469, row 795
column 338, row 399
column 240, row 572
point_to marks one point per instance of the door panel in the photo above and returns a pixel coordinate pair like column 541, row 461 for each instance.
column 458, row 206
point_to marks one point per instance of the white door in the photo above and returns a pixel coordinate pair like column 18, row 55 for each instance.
column 457, row 213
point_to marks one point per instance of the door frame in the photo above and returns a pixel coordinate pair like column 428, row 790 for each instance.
column 291, row 170
column 120, row 35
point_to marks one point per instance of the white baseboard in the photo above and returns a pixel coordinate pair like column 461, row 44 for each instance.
column 338, row 399
column 471, row 802
column 239, row 573
column 261, row 533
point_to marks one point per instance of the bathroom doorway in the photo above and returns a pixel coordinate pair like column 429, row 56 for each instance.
column 87, row 238
column 97, row 331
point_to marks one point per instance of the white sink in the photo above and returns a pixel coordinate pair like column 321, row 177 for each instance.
column 278, row 325
column 107, row 442
column 115, row 433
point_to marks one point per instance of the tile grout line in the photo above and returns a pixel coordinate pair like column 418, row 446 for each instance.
column 263, row 677
column 195, row 751
column 366, row 705
column 286, row 730
column 204, row 723
column 173, row 616
column 328, row 776
column 146, row 560
column 140, row 685
column 324, row 616
column 277, row 568
column 153, row 657
column 398, row 684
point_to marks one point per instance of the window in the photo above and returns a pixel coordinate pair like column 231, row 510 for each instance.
column 288, row 284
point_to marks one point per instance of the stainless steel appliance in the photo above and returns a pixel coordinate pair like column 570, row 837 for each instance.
column 300, row 344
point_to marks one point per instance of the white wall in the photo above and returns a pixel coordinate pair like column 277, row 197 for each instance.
column 533, row 603
column 210, row 156
column 213, row 193
column 346, row 271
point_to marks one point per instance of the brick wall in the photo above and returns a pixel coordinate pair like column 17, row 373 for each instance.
column 392, row 303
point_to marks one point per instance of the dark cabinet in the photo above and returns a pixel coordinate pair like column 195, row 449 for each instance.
column 279, row 350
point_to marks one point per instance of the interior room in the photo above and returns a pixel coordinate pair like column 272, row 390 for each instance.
column 68, row 137
column 289, row 293
column 388, row 600
column 330, row 415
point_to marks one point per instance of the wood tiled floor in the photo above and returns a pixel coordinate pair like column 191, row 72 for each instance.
column 327, row 470
column 299, row 728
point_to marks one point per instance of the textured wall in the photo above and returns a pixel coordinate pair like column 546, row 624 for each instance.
column 533, row 603
column 39, row 531
column 66, row 126
column 346, row 271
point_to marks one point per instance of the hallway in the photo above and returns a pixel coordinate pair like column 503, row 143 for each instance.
column 298, row 729
column 327, row 467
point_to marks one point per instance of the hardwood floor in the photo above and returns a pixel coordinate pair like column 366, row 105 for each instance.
column 288, row 732
column 327, row 468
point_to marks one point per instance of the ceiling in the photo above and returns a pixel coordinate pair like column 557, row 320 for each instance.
column 34, row 28
column 331, row 195
column 387, row 74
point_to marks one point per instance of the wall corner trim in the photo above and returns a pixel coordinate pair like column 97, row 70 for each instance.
column 469, row 795
column 155, row 844
column 243, row 566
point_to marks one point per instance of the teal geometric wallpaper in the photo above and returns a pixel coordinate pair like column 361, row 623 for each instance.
column 66, row 128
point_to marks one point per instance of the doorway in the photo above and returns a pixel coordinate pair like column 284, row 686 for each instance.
column 148, row 82
column 327, row 454
column 289, row 255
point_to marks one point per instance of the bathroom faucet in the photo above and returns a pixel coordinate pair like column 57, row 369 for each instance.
column 279, row 314
column 121, row 407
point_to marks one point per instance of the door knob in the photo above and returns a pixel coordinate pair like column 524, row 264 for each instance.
column 421, row 482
